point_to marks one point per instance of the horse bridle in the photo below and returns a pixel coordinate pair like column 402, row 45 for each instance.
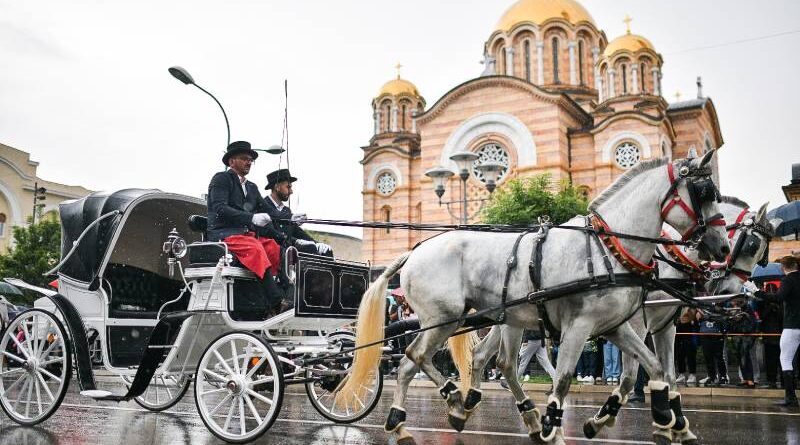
column 701, row 189
column 747, row 243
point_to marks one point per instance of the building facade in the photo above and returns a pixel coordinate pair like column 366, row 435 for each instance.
column 18, row 182
column 556, row 96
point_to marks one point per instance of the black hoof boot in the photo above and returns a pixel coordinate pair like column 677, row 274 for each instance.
column 472, row 400
column 456, row 422
column 588, row 429
column 663, row 417
column 551, row 421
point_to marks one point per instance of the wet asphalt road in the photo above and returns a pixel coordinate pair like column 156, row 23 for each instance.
column 721, row 421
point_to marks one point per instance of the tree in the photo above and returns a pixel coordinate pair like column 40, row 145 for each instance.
column 36, row 249
column 522, row 201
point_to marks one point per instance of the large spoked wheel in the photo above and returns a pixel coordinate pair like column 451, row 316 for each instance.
column 35, row 368
column 164, row 391
column 322, row 393
column 239, row 387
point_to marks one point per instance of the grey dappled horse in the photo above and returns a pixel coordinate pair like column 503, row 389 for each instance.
column 659, row 320
column 450, row 274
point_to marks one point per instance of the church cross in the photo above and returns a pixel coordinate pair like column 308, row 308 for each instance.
column 628, row 21
column 677, row 96
column 398, row 66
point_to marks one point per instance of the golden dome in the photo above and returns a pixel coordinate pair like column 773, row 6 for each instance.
column 397, row 87
column 629, row 42
column 539, row 11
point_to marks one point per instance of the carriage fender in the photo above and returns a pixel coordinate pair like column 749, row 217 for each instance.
column 80, row 343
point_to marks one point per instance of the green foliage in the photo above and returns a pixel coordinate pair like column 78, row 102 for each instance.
column 36, row 250
column 522, row 201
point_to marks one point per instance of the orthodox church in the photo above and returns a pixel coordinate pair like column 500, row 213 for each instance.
column 556, row 96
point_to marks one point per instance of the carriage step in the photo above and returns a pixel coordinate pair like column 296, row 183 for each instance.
column 160, row 346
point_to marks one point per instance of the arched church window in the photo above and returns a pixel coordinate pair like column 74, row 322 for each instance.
column 627, row 155
column 624, row 79
column 527, row 51
column 491, row 152
column 386, row 183
column 387, row 113
column 2, row 224
column 580, row 62
column 403, row 118
column 641, row 75
column 387, row 217
column 555, row 61
column 504, row 58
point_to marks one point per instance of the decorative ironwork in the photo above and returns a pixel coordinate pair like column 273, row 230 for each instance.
column 627, row 155
column 491, row 152
column 386, row 183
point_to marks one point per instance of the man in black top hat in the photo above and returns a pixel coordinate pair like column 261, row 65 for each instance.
column 279, row 188
column 239, row 216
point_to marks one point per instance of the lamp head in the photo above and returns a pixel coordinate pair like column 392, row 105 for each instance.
column 274, row 150
column 181, row 74
column 491, row 171
column 464, row 160
column 439, row 175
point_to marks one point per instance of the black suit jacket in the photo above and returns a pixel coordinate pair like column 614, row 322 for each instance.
column 281, row 220
column 789, row 295
column 230, row 212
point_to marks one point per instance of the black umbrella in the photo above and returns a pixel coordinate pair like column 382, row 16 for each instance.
column 8, row 289
column 790, row 214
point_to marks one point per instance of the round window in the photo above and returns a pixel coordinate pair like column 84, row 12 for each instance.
column 386, row 183
column 627, row 155
column 494, row 153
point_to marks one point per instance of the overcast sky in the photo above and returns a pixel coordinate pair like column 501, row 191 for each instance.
column 84, row 85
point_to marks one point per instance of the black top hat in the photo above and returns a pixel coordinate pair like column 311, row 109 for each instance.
column 236, row 148
column 279, row 176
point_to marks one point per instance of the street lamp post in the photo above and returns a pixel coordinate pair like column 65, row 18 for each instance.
column 464, row 159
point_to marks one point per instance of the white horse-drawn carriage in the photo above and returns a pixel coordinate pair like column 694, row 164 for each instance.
column 140, row 289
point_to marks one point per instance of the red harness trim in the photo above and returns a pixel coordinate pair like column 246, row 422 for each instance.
column 619, row 252
column 677, row 200
column 678, row 255
column 738, row 221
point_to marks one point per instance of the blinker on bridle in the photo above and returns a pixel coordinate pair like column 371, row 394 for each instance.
column 701, row 189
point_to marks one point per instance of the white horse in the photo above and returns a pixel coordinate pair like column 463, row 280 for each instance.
column 659, row 320
column 450, row 274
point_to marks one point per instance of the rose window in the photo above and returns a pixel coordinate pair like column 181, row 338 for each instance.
column 627, row 155
column 494, row 153
column 386, row 183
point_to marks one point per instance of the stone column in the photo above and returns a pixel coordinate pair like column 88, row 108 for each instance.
column 540, row 62
column 598, row 81
column 394, row 118
column 573, row 72
column 656, row 81
column 600, row 93
column 634, row 78
column 509, row 61
column 611, row 83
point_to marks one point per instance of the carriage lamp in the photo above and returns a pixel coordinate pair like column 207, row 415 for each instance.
column 491, row 171
column 175, row 246
column 187, row 79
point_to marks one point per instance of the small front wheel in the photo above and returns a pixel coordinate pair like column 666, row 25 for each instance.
column 239, row 387
column 35, row 367
column 163, row 392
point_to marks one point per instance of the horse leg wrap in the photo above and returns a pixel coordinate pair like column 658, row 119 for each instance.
column 663, row 417
column 396, row 419
column 681, row 423
column 551, row 421
column 452, row 395
column 609, row 409
column 472, row 400
column 530, row 416
column 525, row 406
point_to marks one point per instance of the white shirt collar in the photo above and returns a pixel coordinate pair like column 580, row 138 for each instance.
column 278, row 204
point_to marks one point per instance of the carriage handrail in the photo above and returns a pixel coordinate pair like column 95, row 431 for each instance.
column 77, row 241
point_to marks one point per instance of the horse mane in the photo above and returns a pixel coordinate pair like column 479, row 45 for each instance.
column 626, row 177
column 735, row 202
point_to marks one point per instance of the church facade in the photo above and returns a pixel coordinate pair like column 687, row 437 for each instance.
column 556, row 97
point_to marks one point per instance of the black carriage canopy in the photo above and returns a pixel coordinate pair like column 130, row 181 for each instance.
column 132, row 238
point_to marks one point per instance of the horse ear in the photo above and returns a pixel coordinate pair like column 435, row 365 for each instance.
column 707, row 157
column 762, row 212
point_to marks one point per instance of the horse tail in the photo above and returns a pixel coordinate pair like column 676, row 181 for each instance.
column 369, row 329
column 461, row 346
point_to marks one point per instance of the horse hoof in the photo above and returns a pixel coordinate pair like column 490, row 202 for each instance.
column 589, row 430
column 408, row 440
column 690, row 442
column 456, row 422
column 661, row 440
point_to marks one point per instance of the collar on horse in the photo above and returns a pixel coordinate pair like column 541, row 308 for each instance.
column 616, row 248
column 683, row 263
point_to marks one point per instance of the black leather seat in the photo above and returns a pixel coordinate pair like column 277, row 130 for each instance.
column 205, row 256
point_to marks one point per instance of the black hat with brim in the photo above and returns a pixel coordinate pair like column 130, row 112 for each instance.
column 279, row 176
column 236, row 148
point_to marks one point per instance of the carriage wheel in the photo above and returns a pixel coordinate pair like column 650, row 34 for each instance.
column 163, row 392
column 239, row 387
column 36, row 367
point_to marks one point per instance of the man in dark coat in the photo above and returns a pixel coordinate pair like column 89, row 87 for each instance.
column 279, row 188
column 236, row 211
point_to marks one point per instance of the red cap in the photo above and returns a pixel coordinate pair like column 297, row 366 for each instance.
column 398, row 292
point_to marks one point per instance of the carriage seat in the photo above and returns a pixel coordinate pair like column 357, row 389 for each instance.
column 205, row 256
